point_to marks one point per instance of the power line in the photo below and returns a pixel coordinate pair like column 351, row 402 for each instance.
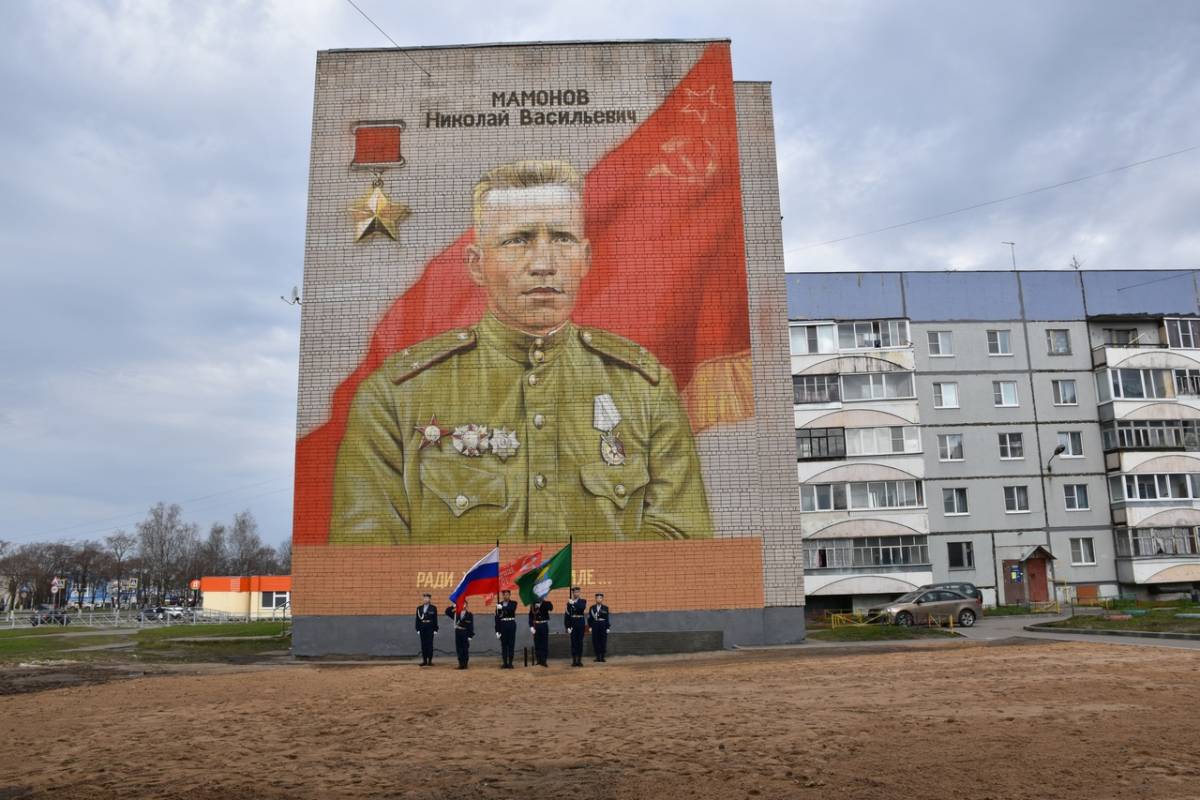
column 1189, row 273
column 390, row 39
column 994, row 202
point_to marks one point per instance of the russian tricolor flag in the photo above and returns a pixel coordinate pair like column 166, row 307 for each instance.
column 483, row 578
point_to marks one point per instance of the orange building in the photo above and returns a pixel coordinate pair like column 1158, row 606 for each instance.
column 250, row 596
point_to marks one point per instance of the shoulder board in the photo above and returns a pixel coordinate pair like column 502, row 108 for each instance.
column 421, row 356
column 623, row 351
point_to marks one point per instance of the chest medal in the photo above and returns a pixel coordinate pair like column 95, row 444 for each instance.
column 605, row 418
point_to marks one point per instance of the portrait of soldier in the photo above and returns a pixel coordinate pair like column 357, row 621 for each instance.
column 525, row 426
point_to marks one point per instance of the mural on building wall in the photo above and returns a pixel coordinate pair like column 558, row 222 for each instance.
column 547, row 373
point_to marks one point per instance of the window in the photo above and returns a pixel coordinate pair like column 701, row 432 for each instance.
column 950, row 447
column 813, row 339
column 1187, row 381
column 954, row 501
column 882, row 441
column 872, row 334
column 1058, row 342
column 962, row 555
column 1016, row 499
column 863, row 496
column 823, row 497
column 1152, row 434
column 945, row 395
column 1004, row 393
column 1012, row 446
column 999, row 343
column 886, row 494
column 1169, row 486
column 1072, row 444
column 1083, row 551
column 1134, row 542
column 1140, row 384
column 941, row 344
column 877, row 386
column 1076, row 497
column 1182, row 333
column 1064, row 393
column 815, row 389
column 871, row 551
column 814, row 443
column 1120, row 336
column 274, row 599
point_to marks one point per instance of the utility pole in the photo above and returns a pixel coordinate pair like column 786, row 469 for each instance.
column 1012, row 247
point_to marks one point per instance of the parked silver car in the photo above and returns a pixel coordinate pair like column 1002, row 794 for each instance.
column 917, row 607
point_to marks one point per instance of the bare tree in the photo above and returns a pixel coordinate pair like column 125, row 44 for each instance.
column 120, row 548
column 245, row 545
column 164, row 540
column 214, row 551
column 86, row 563
column 283, row 556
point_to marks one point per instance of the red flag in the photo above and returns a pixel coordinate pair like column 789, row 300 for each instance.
column 664, row 218
column 518, row 566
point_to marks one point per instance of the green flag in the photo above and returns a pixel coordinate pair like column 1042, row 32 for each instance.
column 554, row 574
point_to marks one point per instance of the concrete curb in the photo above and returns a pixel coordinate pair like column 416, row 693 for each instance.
column 1193, row 637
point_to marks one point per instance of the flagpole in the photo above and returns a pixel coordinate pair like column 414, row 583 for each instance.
column 499, row 588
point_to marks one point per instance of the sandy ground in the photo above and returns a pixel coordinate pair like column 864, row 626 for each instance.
column 964, row 721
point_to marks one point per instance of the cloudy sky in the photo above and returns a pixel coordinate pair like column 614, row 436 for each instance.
column 154, row 164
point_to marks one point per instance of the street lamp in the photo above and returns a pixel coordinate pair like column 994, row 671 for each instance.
column 1062, row 448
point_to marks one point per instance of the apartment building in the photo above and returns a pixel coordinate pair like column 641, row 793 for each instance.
column 1029, row 432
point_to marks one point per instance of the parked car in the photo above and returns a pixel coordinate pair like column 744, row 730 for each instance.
column 916, row 607
column 151, row 613
column 47, row 614
column 968, row 589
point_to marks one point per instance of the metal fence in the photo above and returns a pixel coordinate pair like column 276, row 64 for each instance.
column 132, row 617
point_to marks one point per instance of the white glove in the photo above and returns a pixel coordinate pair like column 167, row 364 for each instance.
column 497, row 634
column 532, row 629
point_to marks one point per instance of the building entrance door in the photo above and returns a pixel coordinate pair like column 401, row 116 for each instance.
column 1035, row 578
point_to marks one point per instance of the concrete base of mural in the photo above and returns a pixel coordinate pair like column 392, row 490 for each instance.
column 395, row 636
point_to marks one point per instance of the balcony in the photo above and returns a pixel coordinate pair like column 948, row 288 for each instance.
column 1163, row 435
column 1157, row 543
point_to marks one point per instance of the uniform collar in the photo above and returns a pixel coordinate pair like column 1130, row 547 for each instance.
column 524, row 348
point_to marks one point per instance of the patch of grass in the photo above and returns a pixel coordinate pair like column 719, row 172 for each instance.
column 1162, row 622
column 877, row 633
column 21, row 632
column 264, row 628
column 1009, row 611
column 33, row 648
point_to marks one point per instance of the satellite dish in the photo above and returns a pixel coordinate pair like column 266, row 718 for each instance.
column 295, row 301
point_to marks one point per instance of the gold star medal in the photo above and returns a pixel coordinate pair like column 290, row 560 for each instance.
column 375, row 212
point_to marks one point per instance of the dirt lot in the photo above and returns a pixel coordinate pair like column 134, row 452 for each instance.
column 931, row 721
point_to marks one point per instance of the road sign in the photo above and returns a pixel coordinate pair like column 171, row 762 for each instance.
column 194, row 585
column 55, row 585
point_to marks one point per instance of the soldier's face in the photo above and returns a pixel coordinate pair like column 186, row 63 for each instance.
column 530, row 255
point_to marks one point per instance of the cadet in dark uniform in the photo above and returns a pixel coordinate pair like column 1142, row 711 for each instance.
column 539, row 626
column 506, row 627
column 427, row 626
column 575, row 621
column 525, row 424
column 598, row 622
column 464, row 632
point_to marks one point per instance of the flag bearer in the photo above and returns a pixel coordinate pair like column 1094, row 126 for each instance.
column 427, row 627
column 464, row 632
column 506, row 627
column 598, row 622
column 575, row 620
column 539, row 626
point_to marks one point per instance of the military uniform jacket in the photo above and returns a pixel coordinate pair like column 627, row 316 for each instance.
column 462, row 622
column 506, row 614
column 427, row 618
column 489, row 433
column 575, row 613
column 598, row 617
column 539, row 613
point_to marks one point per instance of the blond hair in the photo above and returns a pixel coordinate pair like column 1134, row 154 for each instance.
column 524, row 175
